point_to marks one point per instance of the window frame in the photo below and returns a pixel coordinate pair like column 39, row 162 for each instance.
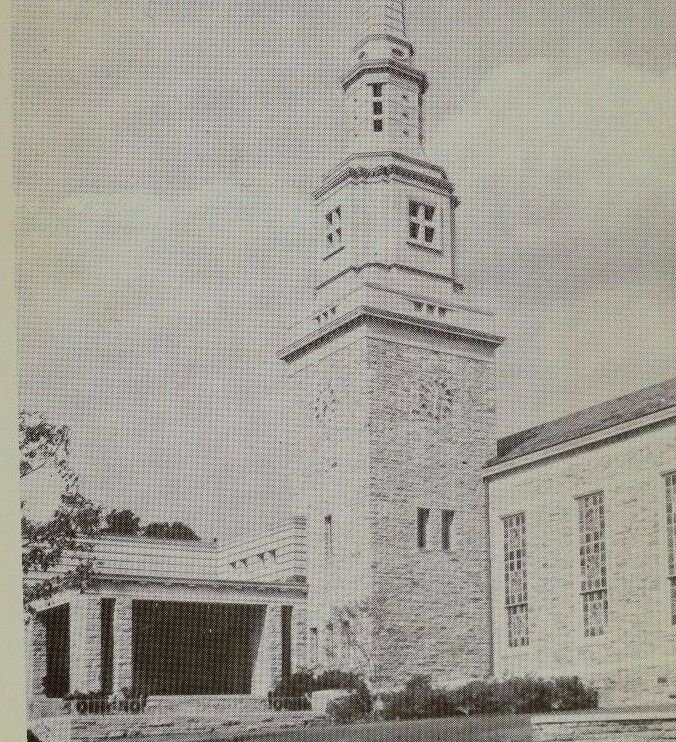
column 590, row 593
column 422, row 527
column 447, row 521
column 424, row 224
column 516, row 604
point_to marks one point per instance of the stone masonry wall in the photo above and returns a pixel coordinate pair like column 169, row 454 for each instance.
column 636, row 727
column 122, row 644
column 85, row 644
column 633, row 662
column 432, row 427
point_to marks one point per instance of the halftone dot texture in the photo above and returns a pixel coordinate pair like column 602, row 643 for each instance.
column 165, row 153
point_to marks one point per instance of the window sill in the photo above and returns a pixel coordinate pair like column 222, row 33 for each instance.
column 422, row 246
column 334, row 252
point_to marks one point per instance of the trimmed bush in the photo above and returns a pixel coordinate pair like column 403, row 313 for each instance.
column 354, row 707
column 512, row 696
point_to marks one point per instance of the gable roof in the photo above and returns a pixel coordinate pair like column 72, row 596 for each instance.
column 624, row 409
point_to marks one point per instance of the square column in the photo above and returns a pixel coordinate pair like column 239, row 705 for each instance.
column 267, row 661
column 85, row 644
column 298, row 637
column 122, row 646
column 36, row 658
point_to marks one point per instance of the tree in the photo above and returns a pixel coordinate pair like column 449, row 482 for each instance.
column 176, row 531
column 122, row 523
column 72, row 526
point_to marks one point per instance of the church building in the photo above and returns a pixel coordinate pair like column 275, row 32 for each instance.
column 422, row 544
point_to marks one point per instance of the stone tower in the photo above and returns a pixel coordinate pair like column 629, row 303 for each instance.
column 394, row 373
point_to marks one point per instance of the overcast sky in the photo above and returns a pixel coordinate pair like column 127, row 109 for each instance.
column 165, row 156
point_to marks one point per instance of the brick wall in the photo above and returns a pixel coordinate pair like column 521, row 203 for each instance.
column 633, row 662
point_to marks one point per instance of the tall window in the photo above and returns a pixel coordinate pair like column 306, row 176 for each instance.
column 446, row 525
column 671, row 539
column 334, row 230
column 377, row 106
column 313, row 653
column 422, row 222
column 423, row 519
column 593, row 564
column 330, row 642
column 328, row 535
column 516, row 592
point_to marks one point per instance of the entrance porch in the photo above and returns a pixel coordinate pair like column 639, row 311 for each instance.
column 166, row 642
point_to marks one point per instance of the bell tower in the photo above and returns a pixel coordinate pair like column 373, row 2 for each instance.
column 393, row 373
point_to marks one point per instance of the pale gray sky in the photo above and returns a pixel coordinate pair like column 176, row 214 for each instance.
column 165, row 156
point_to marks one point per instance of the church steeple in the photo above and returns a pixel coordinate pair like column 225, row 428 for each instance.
column 383, row 91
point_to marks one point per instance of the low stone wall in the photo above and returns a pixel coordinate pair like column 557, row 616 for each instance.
column 606, row 726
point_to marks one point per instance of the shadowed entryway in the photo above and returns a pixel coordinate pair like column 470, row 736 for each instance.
column 194, row 648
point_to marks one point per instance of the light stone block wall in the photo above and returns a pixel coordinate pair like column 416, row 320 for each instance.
column 122, row 644
column 85, row 644
column 634, row 661
column 431, row 607
column 369, row 462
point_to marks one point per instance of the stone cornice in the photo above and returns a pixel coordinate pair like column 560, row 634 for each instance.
column 240, row 585
column 386, row 170
column 390, row 266
column 361, row 313
column 384, row 37
column 385, row 65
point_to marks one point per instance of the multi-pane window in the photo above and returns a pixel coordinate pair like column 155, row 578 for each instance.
column 421, row 222
column 328, row 535
column 334, row 230
column 671, row 539
column 516, row 592
column 377, row 106
column 593, row 564
column 446, row 526
column 423, row 519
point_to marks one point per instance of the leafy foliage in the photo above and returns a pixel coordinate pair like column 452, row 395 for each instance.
column 122, row 523
column 175, row 531
column 74, row 523
column 518, row 695
column 352, row 707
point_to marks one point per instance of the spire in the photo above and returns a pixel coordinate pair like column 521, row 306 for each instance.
column 384, row 31
column 385, row 17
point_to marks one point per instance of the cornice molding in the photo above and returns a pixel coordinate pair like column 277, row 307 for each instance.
column 384, row 37
column 385, row 65
column 385, row 171
column 359, row 314
column 390, row 266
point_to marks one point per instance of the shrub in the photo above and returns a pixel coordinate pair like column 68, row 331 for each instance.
column 353, row 707
column 512, row 696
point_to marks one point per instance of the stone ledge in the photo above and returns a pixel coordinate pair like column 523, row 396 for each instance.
column 602, row 716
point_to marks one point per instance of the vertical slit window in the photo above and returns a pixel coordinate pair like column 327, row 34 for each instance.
column 446, row 525
column 516, row 592
column 423, row 520
column 328, row 535
column 313, row 658
column 594, row 586
column 671, row 539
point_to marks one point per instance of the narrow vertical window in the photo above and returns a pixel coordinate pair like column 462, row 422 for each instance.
column 446, row 525
column 334, row 231
column 671, row 539
column 330, row 643
column 516, row 592
column 328, row 535
column 423, row 519
column 313, row 653
column 377, row 94
column 346, row 634
column 593, row 564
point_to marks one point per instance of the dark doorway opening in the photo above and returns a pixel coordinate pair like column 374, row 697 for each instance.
column 194, row 648
column 57, row 650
